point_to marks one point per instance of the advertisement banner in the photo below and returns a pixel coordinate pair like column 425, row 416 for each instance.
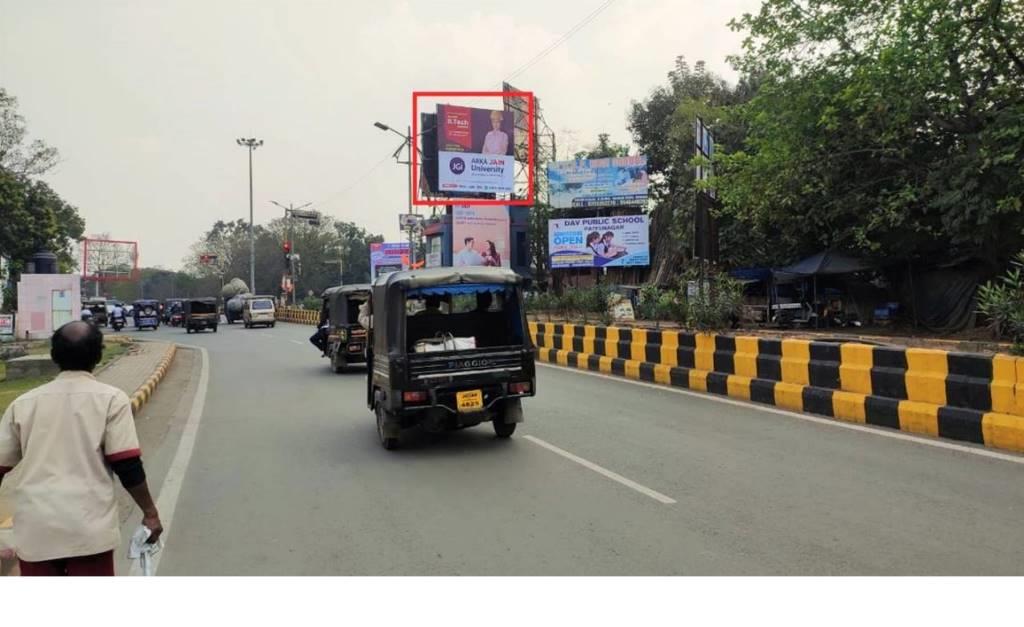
column 475, row 150
column 480, row 236
column 388, row 257
column 598, row 182
column 613, row 241
column 6, row 324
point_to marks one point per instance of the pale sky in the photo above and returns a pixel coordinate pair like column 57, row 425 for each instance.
column 145, row 98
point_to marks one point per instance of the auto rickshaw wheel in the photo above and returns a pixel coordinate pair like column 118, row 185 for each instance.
column 389, row 444
column 501, row 428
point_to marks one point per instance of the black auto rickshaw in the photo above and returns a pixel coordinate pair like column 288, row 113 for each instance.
column 98, row 307
column 146, row 313
column 449, row 348
column 199, row 314
column 346, row 338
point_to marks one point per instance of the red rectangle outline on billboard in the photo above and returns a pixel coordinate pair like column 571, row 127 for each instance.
column 134, row 275
column 522, row 202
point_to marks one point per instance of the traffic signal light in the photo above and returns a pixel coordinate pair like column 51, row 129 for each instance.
column 287, row 248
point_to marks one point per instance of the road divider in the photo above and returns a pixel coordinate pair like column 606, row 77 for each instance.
column 145, row 391
column 960, row 396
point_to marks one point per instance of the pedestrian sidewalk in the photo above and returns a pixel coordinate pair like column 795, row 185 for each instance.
column 128, row 373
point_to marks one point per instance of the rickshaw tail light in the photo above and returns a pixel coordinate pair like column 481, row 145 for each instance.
column 414, row 397
column 522, row 387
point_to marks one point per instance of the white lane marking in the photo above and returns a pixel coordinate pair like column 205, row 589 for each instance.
column 170, row 490
column 614, row 476
column 834, row 422
column 297, row 342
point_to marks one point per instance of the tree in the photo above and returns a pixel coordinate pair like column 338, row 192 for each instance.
column 603, row 148
column 16, row 156
column 890, row 129
column 35, row 218
column 662, row 128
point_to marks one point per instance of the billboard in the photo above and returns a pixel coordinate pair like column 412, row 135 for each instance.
column 598, row 182
column 388, row 257
column 613, row 241
column 480, row 235
column 475, row 150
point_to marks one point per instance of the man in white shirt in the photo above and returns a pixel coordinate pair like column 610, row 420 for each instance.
column 496, row 141
column 468, row 255
column 68, row 439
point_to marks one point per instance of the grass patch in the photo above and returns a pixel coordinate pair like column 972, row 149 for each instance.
column 10, row 390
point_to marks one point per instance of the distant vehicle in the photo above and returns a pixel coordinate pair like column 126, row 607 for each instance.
column 146, row 313
column 259, row 310
column 466, row 357
column 117, row 321
column 199, row 314
column 234, row 306
column 98, row 307
column 173, row 311
column 346, row 338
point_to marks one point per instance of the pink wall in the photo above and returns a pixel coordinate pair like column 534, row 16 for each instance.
column 36, row 298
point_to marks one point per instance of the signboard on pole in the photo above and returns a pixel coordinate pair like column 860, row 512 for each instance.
column 480, row 236
column 475, row 150
column 607, row 182
column 613, row 241
column 6, row 324
column 388, row 257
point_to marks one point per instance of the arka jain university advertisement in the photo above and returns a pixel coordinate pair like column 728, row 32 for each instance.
column 613, row 241
column 475, row 150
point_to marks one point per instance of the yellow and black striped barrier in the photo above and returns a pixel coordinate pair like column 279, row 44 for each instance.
column 960, row 396
column 142, row 395
column 298, row 316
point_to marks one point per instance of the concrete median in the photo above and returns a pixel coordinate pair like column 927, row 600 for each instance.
column 960, row 396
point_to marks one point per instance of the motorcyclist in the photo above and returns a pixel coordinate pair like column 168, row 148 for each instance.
column 117, row 314
column 86, row 314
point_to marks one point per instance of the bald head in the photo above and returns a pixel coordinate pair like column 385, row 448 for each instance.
column 77, row 346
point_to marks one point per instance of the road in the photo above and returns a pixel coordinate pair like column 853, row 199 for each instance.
column 606, row 477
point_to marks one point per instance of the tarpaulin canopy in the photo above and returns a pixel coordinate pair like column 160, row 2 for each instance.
column 825, row 262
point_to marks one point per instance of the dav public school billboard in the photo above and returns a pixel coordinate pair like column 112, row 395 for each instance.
column 614, row 241
column 388, row 257
column 474, row 150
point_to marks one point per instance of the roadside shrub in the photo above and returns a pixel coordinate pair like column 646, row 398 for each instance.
column 310, row 302
column 1003, row 302
column 716, row 307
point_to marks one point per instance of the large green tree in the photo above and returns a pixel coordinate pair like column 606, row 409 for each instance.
column 33, row 216
column 662, row 127
column 894, row 129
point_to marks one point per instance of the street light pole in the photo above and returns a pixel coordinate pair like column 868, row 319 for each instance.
column 408, row 163
column 252, row 144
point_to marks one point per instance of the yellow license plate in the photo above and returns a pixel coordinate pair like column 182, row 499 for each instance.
column 470, row 400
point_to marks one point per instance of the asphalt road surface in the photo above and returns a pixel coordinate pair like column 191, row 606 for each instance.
column 606, row 477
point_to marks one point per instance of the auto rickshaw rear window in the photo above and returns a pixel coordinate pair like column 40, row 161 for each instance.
column 489, row 314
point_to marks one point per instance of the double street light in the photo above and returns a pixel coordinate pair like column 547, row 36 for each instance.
column 252, row 144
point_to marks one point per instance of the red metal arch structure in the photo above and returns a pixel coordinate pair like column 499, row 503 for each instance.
column 106, row 260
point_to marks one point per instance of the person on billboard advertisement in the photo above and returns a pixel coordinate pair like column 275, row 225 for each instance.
column 491, row 256
column 496, row 140
column 468, row 256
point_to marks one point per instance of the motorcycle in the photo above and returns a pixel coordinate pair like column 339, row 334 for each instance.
column 117, row 323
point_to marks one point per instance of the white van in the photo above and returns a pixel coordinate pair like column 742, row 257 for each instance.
column 259, row 310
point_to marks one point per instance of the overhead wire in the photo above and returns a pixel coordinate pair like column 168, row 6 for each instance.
column 561, row 40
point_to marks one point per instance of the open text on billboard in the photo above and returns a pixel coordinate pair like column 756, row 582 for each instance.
column 613, row 241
